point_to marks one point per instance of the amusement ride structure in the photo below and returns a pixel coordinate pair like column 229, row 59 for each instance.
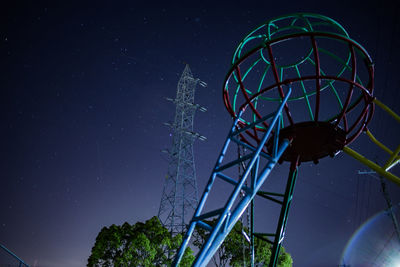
column 299, row 89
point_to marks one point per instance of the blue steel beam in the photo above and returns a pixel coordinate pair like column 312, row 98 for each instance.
column 20, row 261
column 229, row 216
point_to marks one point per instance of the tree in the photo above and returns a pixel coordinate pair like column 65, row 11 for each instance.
column 236, row 251
column 142, row 244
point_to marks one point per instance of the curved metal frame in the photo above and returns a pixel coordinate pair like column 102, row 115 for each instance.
column 268, row 39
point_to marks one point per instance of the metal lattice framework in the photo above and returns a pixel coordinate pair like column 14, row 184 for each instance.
column 179, row 197
column 258, row 167
column 327, row 104
column 316, row 84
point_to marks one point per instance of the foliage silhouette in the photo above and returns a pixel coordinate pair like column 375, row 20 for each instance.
column 235, row 250
column 142, row 244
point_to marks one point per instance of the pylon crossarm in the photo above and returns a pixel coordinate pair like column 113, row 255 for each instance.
column 372, row 165
column 394, row 157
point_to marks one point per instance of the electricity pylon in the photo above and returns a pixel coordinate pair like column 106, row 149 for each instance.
column 179, row 197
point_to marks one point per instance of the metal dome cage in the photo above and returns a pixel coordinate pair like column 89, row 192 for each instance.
column 330, row 74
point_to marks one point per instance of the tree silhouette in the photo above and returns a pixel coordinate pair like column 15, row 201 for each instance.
column 142, row 244
column 235, row 250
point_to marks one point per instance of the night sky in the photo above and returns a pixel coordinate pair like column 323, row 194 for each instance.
column 83, row 104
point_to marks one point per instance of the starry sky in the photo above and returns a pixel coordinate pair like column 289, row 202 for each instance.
column 83, row 104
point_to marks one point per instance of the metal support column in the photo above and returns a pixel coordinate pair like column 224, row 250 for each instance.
column 280, row 229
column 236, row 205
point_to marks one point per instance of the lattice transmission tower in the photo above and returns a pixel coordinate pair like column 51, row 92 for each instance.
column 179, row 197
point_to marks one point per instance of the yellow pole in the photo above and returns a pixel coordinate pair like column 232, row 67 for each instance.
column 392, row 157
column 387, row 109
column 372, row 165
column 373, row 139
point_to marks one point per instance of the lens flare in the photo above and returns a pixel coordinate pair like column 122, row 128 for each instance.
column 374, row 243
